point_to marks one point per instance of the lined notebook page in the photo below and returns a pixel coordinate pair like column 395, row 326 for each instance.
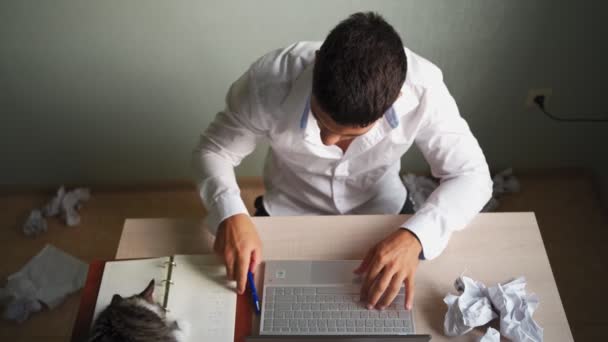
column 130, row 277
column 201, row 295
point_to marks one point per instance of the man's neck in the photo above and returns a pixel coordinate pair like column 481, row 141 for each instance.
column 343, row 145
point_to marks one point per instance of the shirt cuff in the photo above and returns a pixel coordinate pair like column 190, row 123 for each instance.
column 427, row 225
column 224, row 206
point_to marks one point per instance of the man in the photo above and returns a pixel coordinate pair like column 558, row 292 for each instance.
column 338, row 117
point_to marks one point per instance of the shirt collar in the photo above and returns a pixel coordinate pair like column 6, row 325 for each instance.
column 298, row 100
column 304, row 118
column 390, row 116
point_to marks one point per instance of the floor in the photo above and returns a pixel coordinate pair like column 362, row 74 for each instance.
column 573, row 226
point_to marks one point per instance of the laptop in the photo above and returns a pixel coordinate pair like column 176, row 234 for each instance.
column 321, row 298
column 370, row 338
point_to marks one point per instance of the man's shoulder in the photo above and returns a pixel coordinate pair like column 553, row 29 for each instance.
column 287, row 63
column 422, row 76
column 274, row 74
column 420, row 71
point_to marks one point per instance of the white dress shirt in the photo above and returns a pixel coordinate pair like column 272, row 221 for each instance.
column 302, row 176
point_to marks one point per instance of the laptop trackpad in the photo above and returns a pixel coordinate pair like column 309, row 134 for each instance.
column 337, row 272
column 306, row 272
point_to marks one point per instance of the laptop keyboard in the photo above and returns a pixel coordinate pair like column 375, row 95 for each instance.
column 329, row 311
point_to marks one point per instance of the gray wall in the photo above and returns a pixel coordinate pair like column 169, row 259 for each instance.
column 118, row 91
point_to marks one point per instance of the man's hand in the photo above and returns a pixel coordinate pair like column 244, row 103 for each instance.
column 238, row 243
column 386, row 266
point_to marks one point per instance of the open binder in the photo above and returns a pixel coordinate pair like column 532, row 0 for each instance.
column 187, row 286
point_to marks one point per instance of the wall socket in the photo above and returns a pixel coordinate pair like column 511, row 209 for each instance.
column 534, row 92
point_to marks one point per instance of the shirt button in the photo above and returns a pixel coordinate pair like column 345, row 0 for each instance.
column 342, row 169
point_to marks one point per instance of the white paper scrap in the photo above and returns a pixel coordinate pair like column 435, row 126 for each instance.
column 52, row 208
column 67, row 204
column 49, row 277
column 476, row 305
column 516, row 310
column 470, row 309
column 35, row 224
column 492, row 335
column 71, row 203
column 21, row 308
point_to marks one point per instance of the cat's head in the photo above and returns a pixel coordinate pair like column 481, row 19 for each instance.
column 145, row 299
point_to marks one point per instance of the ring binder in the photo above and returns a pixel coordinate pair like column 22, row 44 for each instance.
column 168, row 282
column 216, row 303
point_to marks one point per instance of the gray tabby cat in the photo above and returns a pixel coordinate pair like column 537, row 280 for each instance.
column 134, row 319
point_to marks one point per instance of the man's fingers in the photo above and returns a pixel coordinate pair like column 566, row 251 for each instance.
column 242, row 267
column 370, row 278
column 378, row 288
column 256, row 259
column 409, row 292
column 391, row 291
column 365, row 262
column 229, row 261
column 218, row 244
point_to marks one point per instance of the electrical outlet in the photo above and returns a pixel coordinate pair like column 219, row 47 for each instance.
column 534, row 92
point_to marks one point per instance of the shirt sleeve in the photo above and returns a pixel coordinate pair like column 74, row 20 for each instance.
column 455, row 157
column 231, row 136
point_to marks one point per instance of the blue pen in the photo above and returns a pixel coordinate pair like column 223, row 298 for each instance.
column 254, row 293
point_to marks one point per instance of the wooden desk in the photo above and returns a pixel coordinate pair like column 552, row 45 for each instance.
column 494, row 248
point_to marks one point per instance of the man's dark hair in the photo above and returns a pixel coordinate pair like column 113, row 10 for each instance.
column 359, row 70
